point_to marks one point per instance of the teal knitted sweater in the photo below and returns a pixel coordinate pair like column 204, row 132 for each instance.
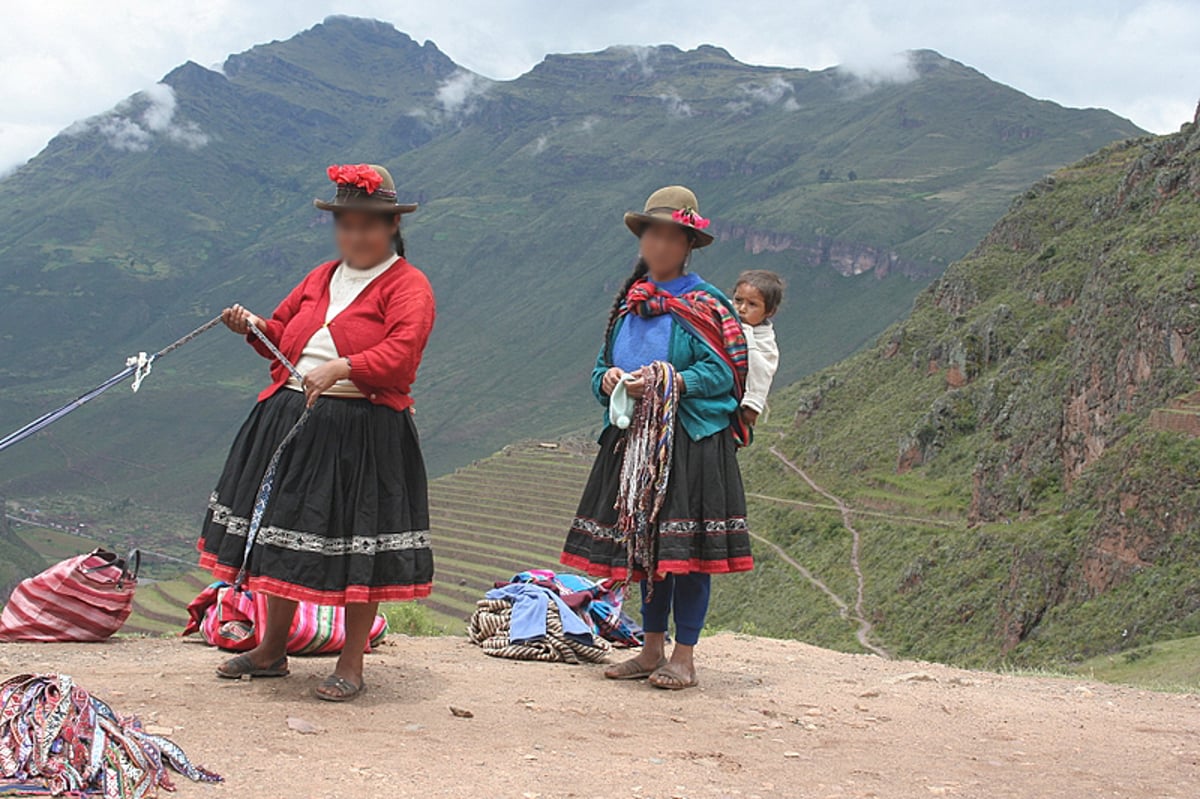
column 707, row 400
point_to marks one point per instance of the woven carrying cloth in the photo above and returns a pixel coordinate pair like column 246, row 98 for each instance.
column 57, row 740
column 489, row 628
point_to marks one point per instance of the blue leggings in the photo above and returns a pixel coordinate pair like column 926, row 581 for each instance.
column 689, row 594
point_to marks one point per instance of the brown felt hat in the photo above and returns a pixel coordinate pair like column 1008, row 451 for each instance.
column 364, row 187
column 675, row 205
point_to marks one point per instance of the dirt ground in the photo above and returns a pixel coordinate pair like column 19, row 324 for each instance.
column 772, row 719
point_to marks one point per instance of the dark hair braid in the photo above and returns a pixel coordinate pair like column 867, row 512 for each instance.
column 640, row 270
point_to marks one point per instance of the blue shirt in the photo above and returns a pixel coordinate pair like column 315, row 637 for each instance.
column 642, row 341
column 707, row 402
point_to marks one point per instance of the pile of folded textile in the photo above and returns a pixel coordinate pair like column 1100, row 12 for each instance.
column 541, row 615
column 57, row 740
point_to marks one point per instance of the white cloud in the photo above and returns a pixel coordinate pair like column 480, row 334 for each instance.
column 159, row 117
column 134, row 123
column 539, row 144
column 878, row 69
column 641, row 58
column 777, row 90
column 457, row 94
column 676, row 107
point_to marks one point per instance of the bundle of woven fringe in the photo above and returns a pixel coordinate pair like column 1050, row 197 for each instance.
column 58, row 740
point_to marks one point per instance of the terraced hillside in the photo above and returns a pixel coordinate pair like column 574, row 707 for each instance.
column 499, row 516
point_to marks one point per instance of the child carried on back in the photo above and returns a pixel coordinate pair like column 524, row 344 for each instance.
column 757, row 296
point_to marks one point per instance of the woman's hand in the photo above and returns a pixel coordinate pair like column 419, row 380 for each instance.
column 320, row 379
column 610, row 380
column 238, row 319
column 635, row 383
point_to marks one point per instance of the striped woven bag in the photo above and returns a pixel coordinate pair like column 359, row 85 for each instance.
column 85, row 598
column 226, row 617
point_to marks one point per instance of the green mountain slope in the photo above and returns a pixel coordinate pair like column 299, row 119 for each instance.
column 133, row 227
column 1025, row 412
column 17, row 559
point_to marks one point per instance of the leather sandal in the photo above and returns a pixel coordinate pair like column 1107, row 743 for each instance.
column 242, row 666
column 346, row 690
column 668, row 679
column 632, row 670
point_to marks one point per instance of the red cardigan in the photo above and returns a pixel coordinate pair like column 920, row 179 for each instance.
column 383, row 330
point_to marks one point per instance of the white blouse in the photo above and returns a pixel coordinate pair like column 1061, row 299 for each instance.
column 345, row 284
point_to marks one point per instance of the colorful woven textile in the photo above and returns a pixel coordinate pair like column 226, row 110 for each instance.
column 599, row 603
column 84, row 598
column 646, row 466
column 492, row 620
column 58, row 740
column 225, row 617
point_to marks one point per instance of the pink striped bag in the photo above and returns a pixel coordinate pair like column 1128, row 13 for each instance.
column 85, row 598
column 225, row 618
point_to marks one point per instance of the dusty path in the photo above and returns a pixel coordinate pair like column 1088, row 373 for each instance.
column 799, row 503
column 864, row 625
column 773, row 719
column 840, row 603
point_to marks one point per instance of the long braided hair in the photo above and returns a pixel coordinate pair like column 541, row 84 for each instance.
column 640, row 270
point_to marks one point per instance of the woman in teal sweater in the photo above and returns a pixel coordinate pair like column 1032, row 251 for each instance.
column 666, row 314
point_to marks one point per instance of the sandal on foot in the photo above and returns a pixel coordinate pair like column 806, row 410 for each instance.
column 668, row 679
column 243, row 666
column 632, row 670
column 346, row 690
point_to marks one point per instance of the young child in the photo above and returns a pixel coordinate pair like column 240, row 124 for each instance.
column 757, row 297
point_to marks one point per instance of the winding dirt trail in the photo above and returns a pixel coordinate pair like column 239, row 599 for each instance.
column 841, row 604
column 864, row 625
column 799, row 503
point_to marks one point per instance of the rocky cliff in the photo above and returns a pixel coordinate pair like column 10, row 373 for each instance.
column 1042, row 387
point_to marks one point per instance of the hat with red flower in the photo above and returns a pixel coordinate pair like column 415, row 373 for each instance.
column 363, row 187
column 675, row 205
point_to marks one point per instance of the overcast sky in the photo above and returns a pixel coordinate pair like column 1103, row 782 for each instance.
column 65, row 59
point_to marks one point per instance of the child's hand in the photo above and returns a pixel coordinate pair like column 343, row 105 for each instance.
column 610, row 379
column 750, row 416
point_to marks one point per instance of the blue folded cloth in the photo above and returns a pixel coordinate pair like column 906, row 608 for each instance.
column 530, row 603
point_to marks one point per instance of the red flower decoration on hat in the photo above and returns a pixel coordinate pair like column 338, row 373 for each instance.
column 361, row 175
column 689, row 217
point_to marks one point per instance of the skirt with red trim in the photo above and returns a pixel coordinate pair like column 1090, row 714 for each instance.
column 702, row 525
column 348, row 518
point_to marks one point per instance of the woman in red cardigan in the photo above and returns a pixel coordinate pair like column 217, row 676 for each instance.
column 347, row 522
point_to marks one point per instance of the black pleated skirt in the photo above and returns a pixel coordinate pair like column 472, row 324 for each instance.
column 348, row 516
column 702, row 524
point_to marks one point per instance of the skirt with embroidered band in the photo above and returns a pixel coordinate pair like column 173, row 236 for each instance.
column 702, row 525
column 348, row 518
